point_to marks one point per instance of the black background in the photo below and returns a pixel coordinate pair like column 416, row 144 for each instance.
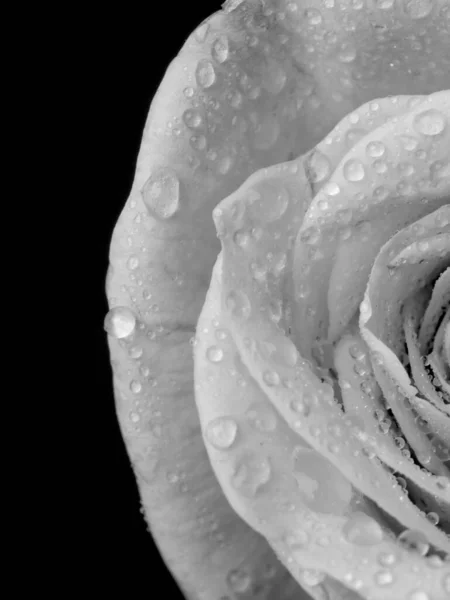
column 131, row 48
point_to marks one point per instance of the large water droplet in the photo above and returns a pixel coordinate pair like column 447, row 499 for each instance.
column 414, row 541
column 161, row 193
column 120, row 322
column 384, row 578
column 430, row 122
column 238, row 304
column 318, row 166
column 221, row 432
column 251, row 474
column 205, row 74
column 362, row 530
column 220, row 49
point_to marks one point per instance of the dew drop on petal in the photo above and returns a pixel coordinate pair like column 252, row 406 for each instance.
column 319, row 166
column 161, row 193
column 205, row 74
column 221, row 432
column 362, row 530
column 414, row 541
column 120, row 322
column 375, row 149
column 430, row 122
column 214, row 354
column 271, row 378
column 192, row 118
column 220, row 49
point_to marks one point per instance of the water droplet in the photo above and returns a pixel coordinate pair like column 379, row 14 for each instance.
column 161, row 193
column 120, row 322
column 384, row 4
column 238, row 304
column 205, row 74
column 354, row 170
column 239, row 580
column 384, row 578
column 261, row 417
column 193, row 118
column 214, row 354
column 271, row 378
column 201, row 32
column 375, row 149
column 133, row 262
column 430, row 122
column 220, row 49
column 414, row 541
column 221, row 432
column 409, row 143
column 418, row 9
column 331, row 188
column 387, row 559
column 362, row 530
column 251, row 474
column 135, row 387
column 319, row 166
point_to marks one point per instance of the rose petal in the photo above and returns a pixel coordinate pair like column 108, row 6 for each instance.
column 371, row 422
column 399, row 270
column 254, row 306
column 282, row 487
column 335, row 258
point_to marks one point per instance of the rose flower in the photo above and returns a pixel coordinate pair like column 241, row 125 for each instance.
column 279, row 296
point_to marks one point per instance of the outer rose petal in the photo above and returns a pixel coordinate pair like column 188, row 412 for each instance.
column 192, row 155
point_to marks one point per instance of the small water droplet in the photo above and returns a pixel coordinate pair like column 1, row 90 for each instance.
column 354, row 170
column 375, row 149
column 268, row 203
column 362, row 530
column 214, row 354
column 193, row 118
column 313, row 16
column 221, row 432
column 161, row 193
column 271, row 378
column 135, row 386
column 430, row 122
column 120, row 322
column 312, row 577
column 387, row 559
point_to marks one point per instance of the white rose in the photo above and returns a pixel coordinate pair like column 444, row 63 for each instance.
column 322, row 348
